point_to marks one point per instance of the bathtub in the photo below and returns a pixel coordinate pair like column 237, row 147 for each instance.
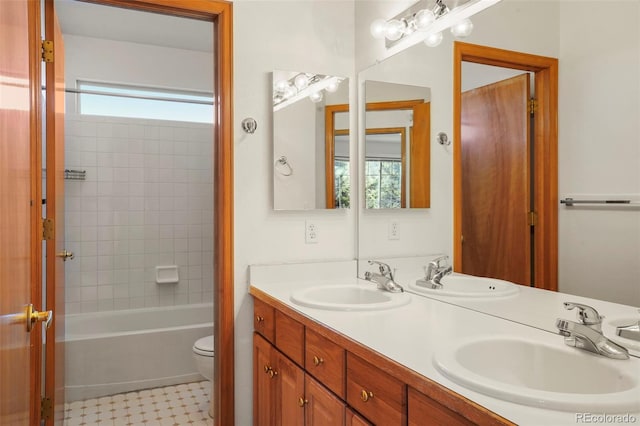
column 121, row 351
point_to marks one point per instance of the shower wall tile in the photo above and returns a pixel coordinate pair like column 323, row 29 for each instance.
column 147, row 201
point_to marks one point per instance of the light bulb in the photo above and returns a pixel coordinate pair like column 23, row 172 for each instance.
column 290, row 92
column 316, row 97
column 433, row 39
column 281, row 85
column 378, row 28
column 301, row 81
column 463, row 28
column 423, row 19
column 394, row 30
column 333, row 86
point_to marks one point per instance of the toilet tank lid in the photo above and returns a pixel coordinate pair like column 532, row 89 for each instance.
column 204, row 344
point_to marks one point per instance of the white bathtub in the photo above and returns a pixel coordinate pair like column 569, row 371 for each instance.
column 121, row 351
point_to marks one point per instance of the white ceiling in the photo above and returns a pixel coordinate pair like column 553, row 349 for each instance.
column 113, row 23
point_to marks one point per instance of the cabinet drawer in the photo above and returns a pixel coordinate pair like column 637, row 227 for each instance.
column 290, row 337
column 325, row 360
column 425, row 411
column 377, row 395
column 263, row 320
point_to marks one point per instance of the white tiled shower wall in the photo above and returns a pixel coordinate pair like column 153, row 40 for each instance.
column 147, row 201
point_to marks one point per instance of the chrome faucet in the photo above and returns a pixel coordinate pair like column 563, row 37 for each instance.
column 434, row 272
column 587, row 333
column 384, row 279
column 631, row 331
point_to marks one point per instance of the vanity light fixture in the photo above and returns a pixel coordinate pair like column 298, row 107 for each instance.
column 425, row 21
column 302, row 85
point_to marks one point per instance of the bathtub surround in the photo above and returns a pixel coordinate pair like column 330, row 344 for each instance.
column 122, row 351
column 147, row 201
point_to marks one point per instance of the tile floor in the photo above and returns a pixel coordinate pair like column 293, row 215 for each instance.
column 185, row 404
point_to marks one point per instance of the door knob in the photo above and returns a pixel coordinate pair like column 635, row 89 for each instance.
column 64, row 254
column 34, row 316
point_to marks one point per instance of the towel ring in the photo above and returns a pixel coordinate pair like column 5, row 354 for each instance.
column 282, row 161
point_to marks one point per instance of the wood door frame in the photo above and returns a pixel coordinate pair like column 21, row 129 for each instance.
column 330, row 151
column 220, row 13
column 545, row 150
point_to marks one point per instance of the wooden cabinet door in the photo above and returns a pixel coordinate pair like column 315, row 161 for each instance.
column 289, row 393
column 353, row 419
column 264, row 389
column 322, row 407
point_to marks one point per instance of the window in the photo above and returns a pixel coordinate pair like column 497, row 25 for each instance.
column 342, row 183
column 383, row 183
column 141, row 102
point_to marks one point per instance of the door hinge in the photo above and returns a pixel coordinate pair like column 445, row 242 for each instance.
column 47, row 50
column 533, row 106
column 533, row 218
column 46, row 408
column 48, row 229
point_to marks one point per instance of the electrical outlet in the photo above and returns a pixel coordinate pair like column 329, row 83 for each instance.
column 310, row 232
column 394, row 230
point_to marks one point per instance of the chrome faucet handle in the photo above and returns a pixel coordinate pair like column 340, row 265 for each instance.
column 433, row 267
column 586, row 314
column 383, row 267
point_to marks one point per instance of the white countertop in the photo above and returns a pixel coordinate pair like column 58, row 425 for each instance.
column 409, row 334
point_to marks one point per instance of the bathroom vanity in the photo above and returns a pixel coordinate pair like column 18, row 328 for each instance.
column 356, row 366
column 306, row 373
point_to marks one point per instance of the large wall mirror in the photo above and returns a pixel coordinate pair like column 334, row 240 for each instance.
column 598, row 100
column 396, row 148
column 311, row 165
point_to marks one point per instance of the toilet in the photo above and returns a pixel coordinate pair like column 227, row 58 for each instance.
column 203, row 354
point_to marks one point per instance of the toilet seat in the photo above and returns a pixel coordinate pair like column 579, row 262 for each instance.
column 204, row 346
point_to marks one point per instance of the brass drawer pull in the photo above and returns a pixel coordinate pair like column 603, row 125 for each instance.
column 365, row 396
column 267, row 369
column 302, row 402
column 272, row 373
column 317, row 361
column 259, row 319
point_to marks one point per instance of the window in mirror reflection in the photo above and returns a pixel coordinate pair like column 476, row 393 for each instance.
column 319, row 177
column 384, row 168
column 397, row 146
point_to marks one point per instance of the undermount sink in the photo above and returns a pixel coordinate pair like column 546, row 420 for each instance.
column 460, row 285
column 349, row 297
column 541, row 375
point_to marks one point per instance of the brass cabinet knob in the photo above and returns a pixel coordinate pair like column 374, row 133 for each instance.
column 317, row 361
column 34, row 316
column 259, row 318
column 365, row 396
column 302, row 402
column 272, row 373
column 266, row 369
column 64, row 254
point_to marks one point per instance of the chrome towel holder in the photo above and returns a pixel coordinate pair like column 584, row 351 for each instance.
column 281, row 163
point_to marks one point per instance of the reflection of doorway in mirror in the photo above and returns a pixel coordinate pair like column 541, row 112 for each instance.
column 414, row 117
column 529, row 231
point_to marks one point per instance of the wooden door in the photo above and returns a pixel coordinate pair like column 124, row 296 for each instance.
column 19, row 211
column 496, row 236
column 54, row 354
column 263, row 385
column 322, row 407
column 289, row 382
